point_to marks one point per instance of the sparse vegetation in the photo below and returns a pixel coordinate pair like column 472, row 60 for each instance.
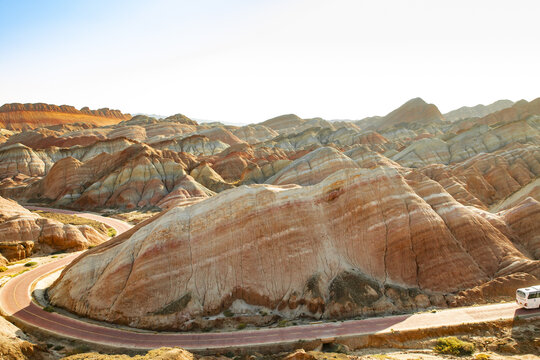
column 77, row 220
column 283, row 323
column 482, row 357
column 19, row 273
column 453, row 346
column 3, row 268
column 30, row 263
column 241, row 326
column 48, row 308
column 228, row 313
column 78, row 350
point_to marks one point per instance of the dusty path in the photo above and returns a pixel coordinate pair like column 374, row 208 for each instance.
column 16, row 302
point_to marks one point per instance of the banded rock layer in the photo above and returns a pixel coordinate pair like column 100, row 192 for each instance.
column 29, row 116
column 359, row 242
column 23, row 233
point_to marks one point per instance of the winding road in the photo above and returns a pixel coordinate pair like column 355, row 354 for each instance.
column 16, row 302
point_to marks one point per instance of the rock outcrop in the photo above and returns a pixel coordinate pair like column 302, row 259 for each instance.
column 477, row 111
column 138, row 176
column 416, row 112
column 23, row 233
column 362, row 241
column 29, row 116
column 312, row 168
column 15, row 345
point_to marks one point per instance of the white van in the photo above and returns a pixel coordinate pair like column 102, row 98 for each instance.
column 529, row 297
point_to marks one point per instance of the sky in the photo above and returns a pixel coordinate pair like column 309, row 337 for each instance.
column 244, row 61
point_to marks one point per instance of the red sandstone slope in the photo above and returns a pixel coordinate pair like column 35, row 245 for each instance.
column 28, row 116
column 23, row 233
column 415, row 111
column 361, row 241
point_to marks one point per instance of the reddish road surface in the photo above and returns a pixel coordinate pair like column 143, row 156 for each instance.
column 16, row 302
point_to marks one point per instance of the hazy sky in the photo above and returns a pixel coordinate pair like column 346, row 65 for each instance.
column 246, row 61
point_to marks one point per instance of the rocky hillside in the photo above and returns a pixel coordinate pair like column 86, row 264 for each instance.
column 292, row 217
column 29, row 116
column 23, row 233
column 359, row 242
column 477, row 111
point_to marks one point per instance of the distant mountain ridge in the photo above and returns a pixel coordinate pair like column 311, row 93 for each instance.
column 18, row 116
column 478, row 110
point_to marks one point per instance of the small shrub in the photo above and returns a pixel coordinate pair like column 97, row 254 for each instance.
column 30, row 263
column 58, row 347
column 48, row 308
column 91, row 246
column 3, row 268
column 453, row 346
column 78, row 350
column 241, row 326
column 111, row 232
column 54, row 256
column 282, row 323
column 482, row 357
column 228, row 313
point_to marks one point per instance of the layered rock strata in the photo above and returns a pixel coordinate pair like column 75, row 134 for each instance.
column 23, row 233
column 360, row 242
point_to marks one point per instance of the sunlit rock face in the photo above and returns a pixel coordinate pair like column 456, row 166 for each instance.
column 29, row 116
column 138, row 176
column 361, row 241
column 478, row 111
column 313, row 167
column 23, row 233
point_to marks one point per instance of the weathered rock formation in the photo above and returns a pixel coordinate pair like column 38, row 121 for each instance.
column 477, row 111
column 29, row 116
column 415, row 112
column 138, row 176
column 23, row 233
column 312, row 168
column 359, row 242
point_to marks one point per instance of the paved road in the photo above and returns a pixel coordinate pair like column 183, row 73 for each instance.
column 15, row 301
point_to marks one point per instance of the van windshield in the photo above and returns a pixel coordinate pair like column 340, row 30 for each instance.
column 521, row 294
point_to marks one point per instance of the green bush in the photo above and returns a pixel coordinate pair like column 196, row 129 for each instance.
column 48, row 308
column 111, row 232
column 228, row 313
column 30, row 263
column 241, row 326
column 78, row 350
column 482, row 357
column 3, row 268
column 453, row 346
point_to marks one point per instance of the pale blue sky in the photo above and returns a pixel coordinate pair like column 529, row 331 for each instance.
column 246, row 61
